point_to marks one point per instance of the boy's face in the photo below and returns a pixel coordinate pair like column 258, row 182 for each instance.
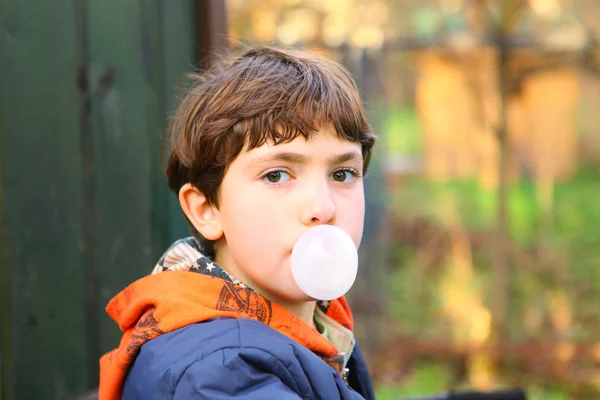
column 272, row 194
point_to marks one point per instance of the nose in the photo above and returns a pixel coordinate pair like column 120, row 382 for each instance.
column 318, row 206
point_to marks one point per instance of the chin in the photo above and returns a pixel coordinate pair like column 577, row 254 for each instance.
column 295, row 295
column 306, row 297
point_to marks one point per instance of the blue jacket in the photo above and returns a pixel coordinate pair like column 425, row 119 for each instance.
column 192, row 331
column 238, row 358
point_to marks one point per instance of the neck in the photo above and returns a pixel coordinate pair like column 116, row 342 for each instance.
column 304, row 310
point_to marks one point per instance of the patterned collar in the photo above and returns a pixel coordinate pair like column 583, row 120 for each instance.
column 186, row 255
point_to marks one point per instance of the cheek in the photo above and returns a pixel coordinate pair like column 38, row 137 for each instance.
column 243, row 225
column 251, row 227
column 351, row 214
column 358, row 221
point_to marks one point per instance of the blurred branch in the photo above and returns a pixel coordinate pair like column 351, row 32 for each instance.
column 590, row 58
column 442, row 42
column 510, row 13
column 562, row 60
column 432, row 243
column 478, row 15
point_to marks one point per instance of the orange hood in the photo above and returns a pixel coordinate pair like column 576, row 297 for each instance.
column 158, row 304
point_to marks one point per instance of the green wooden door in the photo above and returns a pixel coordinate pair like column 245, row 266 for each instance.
column 85, row 89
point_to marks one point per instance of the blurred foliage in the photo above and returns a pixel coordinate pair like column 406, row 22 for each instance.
column 368, row 23
column 573, row 237
column 556, row 284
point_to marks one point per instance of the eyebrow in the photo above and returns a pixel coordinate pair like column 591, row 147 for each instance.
column 297, row 158
column 348, row 156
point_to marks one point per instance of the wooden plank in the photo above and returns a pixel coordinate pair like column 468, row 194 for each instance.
column 211, row 30
column 125, row 110
column 40, row 164
column 5, row 272
column 137, row 67
column 199, row 36
column 179, row 26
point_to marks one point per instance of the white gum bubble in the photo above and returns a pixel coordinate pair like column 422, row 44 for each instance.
column 324, row 262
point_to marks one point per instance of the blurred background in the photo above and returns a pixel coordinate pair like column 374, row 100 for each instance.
column 479, row 264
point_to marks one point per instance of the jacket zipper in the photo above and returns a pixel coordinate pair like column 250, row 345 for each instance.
column 345, row 369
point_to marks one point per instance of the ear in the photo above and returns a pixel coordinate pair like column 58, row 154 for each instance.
column 204, row 216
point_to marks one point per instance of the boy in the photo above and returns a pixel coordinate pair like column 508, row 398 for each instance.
column 263, row 148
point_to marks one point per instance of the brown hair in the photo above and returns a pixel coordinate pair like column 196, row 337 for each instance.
column 264, row 95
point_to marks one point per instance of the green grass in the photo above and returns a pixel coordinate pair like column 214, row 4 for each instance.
column 430, row 379
column 427, row 379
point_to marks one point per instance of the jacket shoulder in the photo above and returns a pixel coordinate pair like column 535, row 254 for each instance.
column 239, row 346
column 224, row 358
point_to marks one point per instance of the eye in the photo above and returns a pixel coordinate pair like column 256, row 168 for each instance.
column 344, row 175
column 276, row 176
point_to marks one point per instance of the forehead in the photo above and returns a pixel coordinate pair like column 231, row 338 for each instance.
column 324, row 142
